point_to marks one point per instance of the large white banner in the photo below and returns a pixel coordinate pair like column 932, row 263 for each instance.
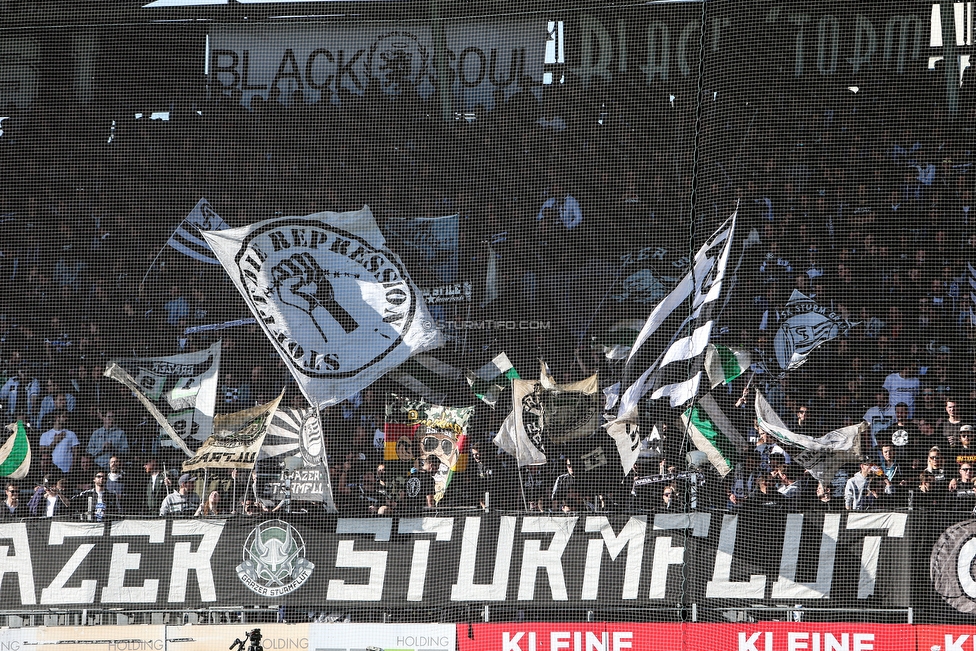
column 335, row 302
column 321, row 60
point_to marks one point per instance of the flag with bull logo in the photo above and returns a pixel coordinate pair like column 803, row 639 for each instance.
column 335, row 302
column 417, row 429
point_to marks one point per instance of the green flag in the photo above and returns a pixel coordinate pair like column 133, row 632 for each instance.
column 15, row 454
column 489, row 381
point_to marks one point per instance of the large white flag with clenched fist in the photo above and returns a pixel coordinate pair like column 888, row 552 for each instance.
column 336, row 303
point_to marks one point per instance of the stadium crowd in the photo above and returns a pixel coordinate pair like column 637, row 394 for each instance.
column 859, row 200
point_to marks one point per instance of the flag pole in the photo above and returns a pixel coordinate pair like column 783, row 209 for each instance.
column 518, row 462
column 599, row 306
column 330, row 506
column 525, row 502
column 160, row 252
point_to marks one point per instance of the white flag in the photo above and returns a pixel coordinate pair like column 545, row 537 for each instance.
column 822, row 456
column 336, row 303
column 180, row 391
column 523, row 429
column 805, row 327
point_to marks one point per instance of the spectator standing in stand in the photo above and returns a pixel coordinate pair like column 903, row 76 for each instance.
column 858, row 493
column 564, row 496
column 60, row 444
column 962, row 491
column 418, row 490
column 953, row 421
column 184, row 501
column 903, row 386
column 97, row 502
column 107, row 440
column 964, row 451
column 157, row 486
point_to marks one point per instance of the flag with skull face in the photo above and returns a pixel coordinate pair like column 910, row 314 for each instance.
column 416, row 429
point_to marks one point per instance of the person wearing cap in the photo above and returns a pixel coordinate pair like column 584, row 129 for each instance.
column 962, row 490
column 858, row 493
column 184, row 501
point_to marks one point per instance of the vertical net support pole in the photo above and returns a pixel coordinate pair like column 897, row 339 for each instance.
column 440, row 61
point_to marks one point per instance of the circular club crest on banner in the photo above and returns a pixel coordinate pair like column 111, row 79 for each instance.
column 274, row 560
column 900, row 438
column 397, row 60
column 310, row 441
column 331, row 303
column 951, row 566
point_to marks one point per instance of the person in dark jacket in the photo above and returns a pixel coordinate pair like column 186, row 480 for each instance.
column 98, row 502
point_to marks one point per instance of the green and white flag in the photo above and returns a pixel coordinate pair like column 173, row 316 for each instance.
column 428, row 377
column 489, row 381
column 713, row 433
column 15, row 453
column 724, row 364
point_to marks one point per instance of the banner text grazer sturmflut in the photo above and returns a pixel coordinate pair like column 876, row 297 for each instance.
column 851, row 560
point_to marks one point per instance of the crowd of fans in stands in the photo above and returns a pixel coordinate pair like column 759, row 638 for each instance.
column 861, row 202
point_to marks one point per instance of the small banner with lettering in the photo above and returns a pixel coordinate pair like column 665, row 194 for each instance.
column 236, row 440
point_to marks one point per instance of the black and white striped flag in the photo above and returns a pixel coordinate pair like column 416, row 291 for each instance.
column 185, row 239
column 676, row 371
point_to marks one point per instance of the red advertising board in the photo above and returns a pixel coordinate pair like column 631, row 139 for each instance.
column 788, row 636
column 596, row 636
column 946, row 638
column 624, row 636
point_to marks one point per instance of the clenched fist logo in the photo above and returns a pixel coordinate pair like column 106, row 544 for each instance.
column 301, row 283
